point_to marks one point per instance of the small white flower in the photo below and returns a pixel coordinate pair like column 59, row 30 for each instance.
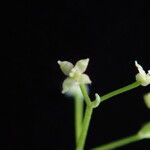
column 142, row 77
column 147, row 99
column 75, row 75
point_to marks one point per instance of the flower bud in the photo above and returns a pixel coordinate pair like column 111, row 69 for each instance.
column 147, row 100
column 144, row 133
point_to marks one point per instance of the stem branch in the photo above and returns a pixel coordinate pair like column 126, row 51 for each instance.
column 121, row 90
column 119, row 143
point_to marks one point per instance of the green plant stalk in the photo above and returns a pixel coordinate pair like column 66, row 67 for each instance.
column 78, row 116
column 121, row 90
column 85, row 94
column 85, row 126
column 86, row 120
column 89, row 110
column 119, row 143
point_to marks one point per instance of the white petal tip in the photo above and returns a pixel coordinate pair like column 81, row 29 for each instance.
column 63, row 92
column 136, row 63
column 59, row 62
column 87, row 59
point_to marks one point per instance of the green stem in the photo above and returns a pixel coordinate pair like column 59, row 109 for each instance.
column 85, row 94
column 86, row 122
column 78, row 116
column 121, row 90
column 119, row 143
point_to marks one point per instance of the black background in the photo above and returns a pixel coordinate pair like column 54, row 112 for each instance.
column 112, row 34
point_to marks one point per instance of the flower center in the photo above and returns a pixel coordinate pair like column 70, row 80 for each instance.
column 76, row 75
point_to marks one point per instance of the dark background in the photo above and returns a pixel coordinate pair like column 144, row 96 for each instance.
column 112, row 34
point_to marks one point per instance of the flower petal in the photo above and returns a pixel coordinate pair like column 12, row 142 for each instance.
column 68, row 85
column 140, row 69
column 75, row 91
column 65, row 66
column 81, row 65
column 148, row 79
column 84, row 79
column 142, row 77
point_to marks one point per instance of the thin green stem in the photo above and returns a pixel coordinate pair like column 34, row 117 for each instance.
column 85, row 94
column 86, row 122
column 121, row 90
column 78, row 116
column 119, row 143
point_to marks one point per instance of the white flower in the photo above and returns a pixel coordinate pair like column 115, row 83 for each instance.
column 142, row 77
column 147, row 99
column 75, row 75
